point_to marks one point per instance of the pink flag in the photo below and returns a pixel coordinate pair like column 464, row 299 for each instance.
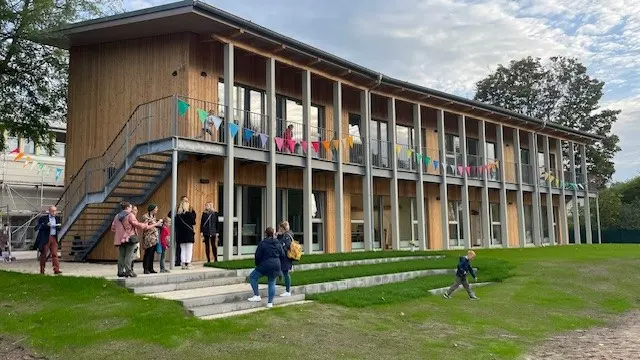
column 279, row 142
column 468, row 170
column 291, row 144
column 305, row 145
column 460, row 170
column 486, row 167
column 480, row 169
column 316, row 146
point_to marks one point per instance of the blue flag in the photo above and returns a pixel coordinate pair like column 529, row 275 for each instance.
column 233, row 129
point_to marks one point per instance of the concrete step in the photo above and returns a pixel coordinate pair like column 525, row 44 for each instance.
column 196, row 284
column 214, row 295
column 175, row 277
column 249, row 311
column 209, row 310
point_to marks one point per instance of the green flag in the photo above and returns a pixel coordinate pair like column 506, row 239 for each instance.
column 182, row 107
column 203, row 115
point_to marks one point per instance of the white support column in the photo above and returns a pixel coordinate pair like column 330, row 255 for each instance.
column 562, row 208
column 466, row 215
column 522, row 235
column 576, row 213
column 484, row 203
column 598, row 217
column 307, row 176
column 271, row 166
column 174, row 206
column 367, row 179
column 229, row 160
column 395, row 220
column 417, row 124
column 444, row 203
column 504, row 224
column 339, row 179
column 587, row 207
column 535, row 197
column 549, row 202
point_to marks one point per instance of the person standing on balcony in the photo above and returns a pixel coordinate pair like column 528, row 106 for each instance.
column 286, row 237
column 150, row 238
column 47, row 240
column 209, row 230
column 177, row 250
column 185, row 233
column 125, row 226
column 267, row 259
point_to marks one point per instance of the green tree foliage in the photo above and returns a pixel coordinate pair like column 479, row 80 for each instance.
column 33, row 77
column 619, row 206
column 559, row 91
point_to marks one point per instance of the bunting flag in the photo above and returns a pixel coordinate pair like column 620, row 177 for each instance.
column 217, row 122
column 183, row 107
column 435, row 164
column 203, row 115
column 27, row 161
column 58, row 173
column 326, row 144
column 486, row 168
column 427, row 160
column 291, row 144
column 468, row 170
column 419, row 157
column 33, row 165
column 305, row 145
column 263, row 140
column 233, row 129
column 551, row 178
column 248, row 134
column 408, row 152
column 398, row 148
column 40, row 167
column 350, row 141
column 460, row 169
column 336, row 144
column 15, row 151
column 557, row 182
column 279, row 143
column 316, row 146
column 19, row 156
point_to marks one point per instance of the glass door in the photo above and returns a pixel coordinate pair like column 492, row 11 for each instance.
column 252, row 218
column 221, row 217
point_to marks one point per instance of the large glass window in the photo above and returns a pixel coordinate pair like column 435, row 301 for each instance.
column 379, row 143
column 252, row 226
column 357, row 222
column 528, row 223
column 496, row 225
column 221, row 216
column 29, row 147
column 527, row 169
column 295, row 213
column 356, row 154
column 452, row 153
column 456, row 233
column 491, row 157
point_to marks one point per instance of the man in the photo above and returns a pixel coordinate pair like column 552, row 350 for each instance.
column 464, row 267
column 47, row 240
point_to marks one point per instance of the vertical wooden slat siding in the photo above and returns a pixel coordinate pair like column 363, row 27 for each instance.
column 512, row 214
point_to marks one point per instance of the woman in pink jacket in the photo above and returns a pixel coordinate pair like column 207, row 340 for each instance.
column 126, row 226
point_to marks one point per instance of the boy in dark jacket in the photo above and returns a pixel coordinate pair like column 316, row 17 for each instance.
column 267, row 259
column 464, row 267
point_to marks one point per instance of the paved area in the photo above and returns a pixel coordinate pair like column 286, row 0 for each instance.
column 26, row 262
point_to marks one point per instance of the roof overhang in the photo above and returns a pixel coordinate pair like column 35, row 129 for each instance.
column 200, row 18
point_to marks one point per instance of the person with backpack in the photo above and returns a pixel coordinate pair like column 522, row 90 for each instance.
column 267, row 259
column 464, row 267
column 285, row 236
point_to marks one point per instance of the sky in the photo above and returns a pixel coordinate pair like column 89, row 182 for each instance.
column 449, row 45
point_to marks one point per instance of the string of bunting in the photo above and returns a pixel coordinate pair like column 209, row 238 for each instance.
column 41, row 167
column 548, row 176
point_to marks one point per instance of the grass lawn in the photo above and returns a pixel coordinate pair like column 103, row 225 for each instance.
column 491, row 269
column 322, row 258
column 551, row 290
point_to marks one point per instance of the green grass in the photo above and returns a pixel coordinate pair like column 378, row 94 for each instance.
column 348, row 272
column 543, row 292
column 321, row 258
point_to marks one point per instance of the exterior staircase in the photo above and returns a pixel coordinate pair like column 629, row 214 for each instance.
column 206, row 294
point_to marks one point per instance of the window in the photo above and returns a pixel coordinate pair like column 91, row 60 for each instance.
column 404, row 137
column 490, row 151
column 496, row 225
column 456, row 233
column 12, row 143
column 453, row 154
column 528, row 223
column 356, row 154
column 28, row 147
column 60, row 140
column 473, row 157
column 379, row 143
column 527, row 169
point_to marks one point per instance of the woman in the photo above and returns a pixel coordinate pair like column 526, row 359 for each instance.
column 267, row 259
column 177, row 249
column 285, row 237
column 150, row 238
column 185, row 234
column 209, row 230
column 125, row 225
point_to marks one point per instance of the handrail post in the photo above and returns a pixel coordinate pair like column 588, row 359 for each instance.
column 175, row 115
column 126, row 145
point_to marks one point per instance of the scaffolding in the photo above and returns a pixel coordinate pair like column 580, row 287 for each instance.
column 25, row 194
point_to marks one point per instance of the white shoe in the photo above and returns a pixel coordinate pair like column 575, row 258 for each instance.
column 285, row 294
column 255, row 299
column 269, row 305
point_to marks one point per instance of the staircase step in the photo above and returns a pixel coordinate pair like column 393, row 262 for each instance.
column 134, row 181
column 147, row 168
column 214, row 295
column 149, row 161
column 151, row 289
column 249, row 311
column 209, row 310
column 176, row 277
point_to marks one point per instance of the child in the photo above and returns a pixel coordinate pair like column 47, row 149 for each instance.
column 464, row 266
column 165, row 235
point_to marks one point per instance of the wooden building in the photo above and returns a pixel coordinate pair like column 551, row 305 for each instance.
column 186, row 99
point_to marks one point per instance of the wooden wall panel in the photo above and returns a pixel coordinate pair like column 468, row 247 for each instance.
column 434, row 217
column 509, row 157
column 512, row 220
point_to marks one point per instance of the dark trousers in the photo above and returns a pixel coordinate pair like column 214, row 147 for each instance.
column 177, row 259
column 211, row 247
column 147, row 260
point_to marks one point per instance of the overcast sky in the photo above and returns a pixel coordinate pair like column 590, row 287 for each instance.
column 449, row 45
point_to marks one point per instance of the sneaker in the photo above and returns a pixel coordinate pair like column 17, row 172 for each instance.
column 446, row 296
column 285, row 294
column 255, row 299
column 164, row 271
column 132, row 274
column 153, row 271
column 474, row 297
column 58, row 272
column 269, row 305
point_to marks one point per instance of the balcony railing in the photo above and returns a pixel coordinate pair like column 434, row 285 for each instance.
column 406, row 156
column 327, row 145
column 289, row 134
column 381, row 153
column 529, row 175
column 428, row 166
column 354, row 154
column 452, row 163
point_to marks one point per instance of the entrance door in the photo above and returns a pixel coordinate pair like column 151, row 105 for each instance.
column 252, row 206
column 236, row 220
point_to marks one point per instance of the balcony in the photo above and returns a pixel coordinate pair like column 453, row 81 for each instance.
column 381, row 153
column 406, row 157
column 354, row 151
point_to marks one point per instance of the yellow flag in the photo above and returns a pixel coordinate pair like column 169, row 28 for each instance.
column 336, row 144
column 398, row 148
column 350, row 141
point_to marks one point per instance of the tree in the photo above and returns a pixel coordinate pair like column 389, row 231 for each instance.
column 558, row 91
column 33, row 77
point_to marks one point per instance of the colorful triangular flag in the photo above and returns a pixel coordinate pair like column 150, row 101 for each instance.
column 15, row 151
column 203, row 115
column 248, row 134
column 316, row 146
column 419, row 157
column 183, row 107
column 350, row 141
column 217, row 122
column 233, row 129
column 435, row 164
column 460, row 169
column 408, row 152
column 326, row 145
column 279, row 143
column 58, row 173
column 398, row 148
column 19, row 156
column 427, row 160
column 291, row 144
column 27, row 161
column 336, row 144
column 468, row 168
column 304, row 145
column 263, row 140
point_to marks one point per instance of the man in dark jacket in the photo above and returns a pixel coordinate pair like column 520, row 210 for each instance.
column 267, row 259
column 464, row 267
column 47, row 239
